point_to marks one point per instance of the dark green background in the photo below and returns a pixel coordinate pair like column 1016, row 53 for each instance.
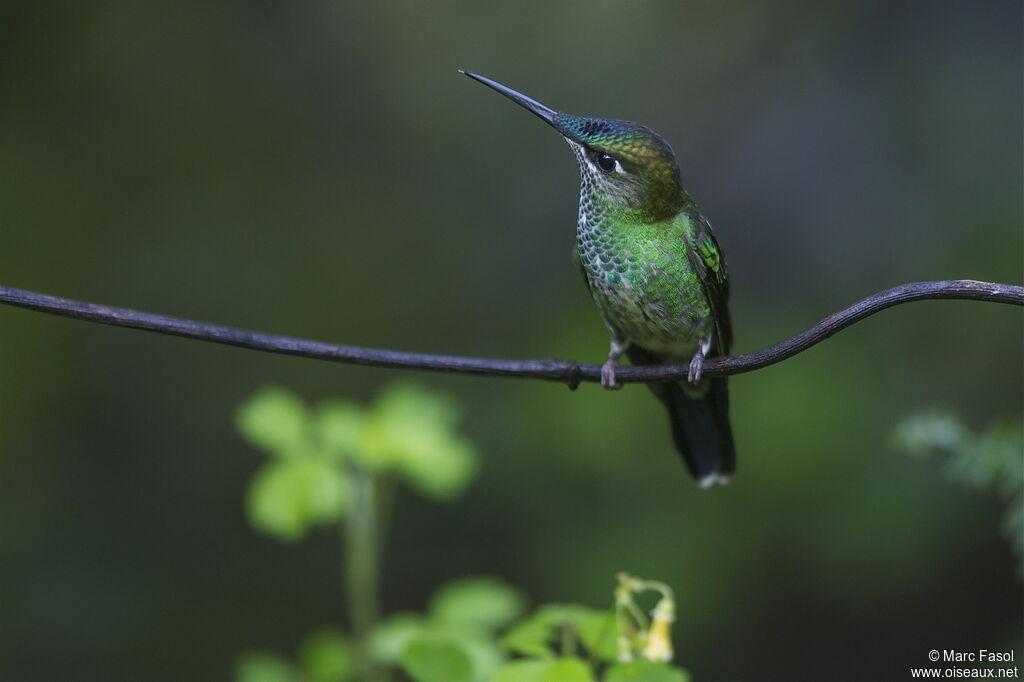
column 320, row 169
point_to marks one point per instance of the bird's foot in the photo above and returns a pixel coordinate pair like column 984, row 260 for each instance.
column 696, row 367
column 697, row 363
column 608, row 379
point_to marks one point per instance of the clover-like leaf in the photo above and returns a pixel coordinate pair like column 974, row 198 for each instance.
column 531, row 637
column 259, row 666
column 388, row 638
column 412, row 430
column 522, row 671
column 569, row 670
column 644, row 671
column 400, row 416
column 286, row 497
column 596, row 629
column 430, row 658
column 484, row 653
column 554, row 670
column 340, row 427
column 326, row 656
column 441, row 466
column 409, row 402
column 275, row 420
column 534, row 635
column 481, row 602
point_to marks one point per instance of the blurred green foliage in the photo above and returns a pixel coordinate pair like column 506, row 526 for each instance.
column 541, row 633
column 407, row 432
column 991, row 460
column 459, row 638
column 317, row 455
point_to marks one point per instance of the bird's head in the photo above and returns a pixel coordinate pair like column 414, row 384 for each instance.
column 622, row 163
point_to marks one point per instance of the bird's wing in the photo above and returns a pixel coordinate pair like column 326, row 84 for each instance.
column 709, row 261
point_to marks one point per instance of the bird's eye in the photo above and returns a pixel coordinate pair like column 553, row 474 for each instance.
column 606, row 162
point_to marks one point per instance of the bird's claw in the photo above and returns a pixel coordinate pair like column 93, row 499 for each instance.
column 608, row 379
column 696, row 367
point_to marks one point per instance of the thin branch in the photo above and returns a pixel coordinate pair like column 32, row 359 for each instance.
column 571, row 373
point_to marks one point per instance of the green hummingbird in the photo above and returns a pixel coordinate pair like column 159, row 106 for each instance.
column 655, row 271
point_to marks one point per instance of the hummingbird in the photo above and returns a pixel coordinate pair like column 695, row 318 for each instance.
column 655, row 271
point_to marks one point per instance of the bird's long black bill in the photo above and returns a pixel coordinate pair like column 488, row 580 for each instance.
column 544, row 112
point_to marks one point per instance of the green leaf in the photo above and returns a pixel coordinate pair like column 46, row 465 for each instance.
column 259, row 666
column 596, row 629
column 412, row 430
column 436, row 659
column 990, row 459
column 326, row 656
column 484, row 653
column 569, row 670
column 533, row 636
column 388, row 638
column 401, row 414
column 410, row 402
column 529, row 638
column 645, row 671
column 477, row 602
column 275, row 419
column 286, row 497
column 340, row 426
column 440, row 467
column 522, row 671
column 557, row 670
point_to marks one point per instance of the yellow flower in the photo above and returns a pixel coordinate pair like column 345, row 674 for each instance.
column 659, row 637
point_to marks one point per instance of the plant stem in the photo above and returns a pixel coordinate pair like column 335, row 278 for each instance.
column 361, row 568
column 568, row 640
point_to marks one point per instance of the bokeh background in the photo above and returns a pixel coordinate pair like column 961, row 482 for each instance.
column 320, row 169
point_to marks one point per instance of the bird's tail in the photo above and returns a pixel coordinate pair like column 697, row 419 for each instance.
column 701, row 429
column 700, row 421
